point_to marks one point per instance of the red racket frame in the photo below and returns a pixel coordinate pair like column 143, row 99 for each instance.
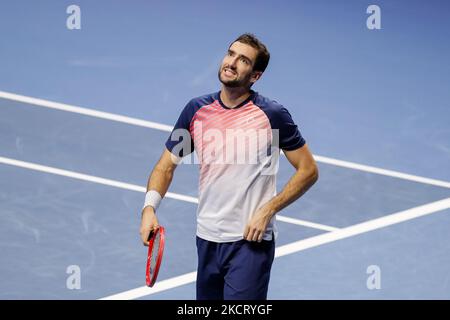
column 150, row 281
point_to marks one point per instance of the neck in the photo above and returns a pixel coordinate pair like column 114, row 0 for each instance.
column 232, row 97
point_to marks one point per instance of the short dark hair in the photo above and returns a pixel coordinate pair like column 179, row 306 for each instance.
column 263, row 56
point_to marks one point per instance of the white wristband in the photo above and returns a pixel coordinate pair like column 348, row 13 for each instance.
column 152, row 198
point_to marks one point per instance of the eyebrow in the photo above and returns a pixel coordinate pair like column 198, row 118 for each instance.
column 241, row 55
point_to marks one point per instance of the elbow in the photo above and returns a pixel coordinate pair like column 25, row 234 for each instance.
column 310, row 173
column 166, row 171
column 314, row 174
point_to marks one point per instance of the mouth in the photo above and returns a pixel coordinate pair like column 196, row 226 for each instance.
column 228, row 72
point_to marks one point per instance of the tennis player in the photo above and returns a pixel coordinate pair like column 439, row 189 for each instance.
column 236, row 224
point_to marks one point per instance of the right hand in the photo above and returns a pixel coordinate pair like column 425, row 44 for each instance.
column 149, row 223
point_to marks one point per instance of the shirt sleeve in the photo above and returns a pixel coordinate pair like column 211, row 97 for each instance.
column 180, row 142
column 290, row 137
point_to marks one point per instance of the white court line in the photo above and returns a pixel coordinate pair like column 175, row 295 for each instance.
column 383, row 172
column 84, row 111
column 364, row 227
column 167, row 128
column 85, row 177
column 133, row 187
column 301, row 245
column 305, row 223
column 161, row 286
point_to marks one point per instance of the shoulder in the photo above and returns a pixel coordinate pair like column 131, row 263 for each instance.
column 267, row 103
column 275, row 111
column 202, row 100
column 195, row 104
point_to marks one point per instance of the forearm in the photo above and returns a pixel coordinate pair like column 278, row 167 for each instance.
column 160, row 179
column 297, row 185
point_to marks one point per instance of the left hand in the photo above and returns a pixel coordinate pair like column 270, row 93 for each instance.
column 255, row 229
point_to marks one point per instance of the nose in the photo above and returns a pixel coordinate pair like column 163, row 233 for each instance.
column 232, row 62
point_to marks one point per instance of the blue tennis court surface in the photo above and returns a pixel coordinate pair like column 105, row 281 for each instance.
column 72, row 181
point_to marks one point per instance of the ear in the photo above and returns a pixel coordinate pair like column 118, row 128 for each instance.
column 255, row 76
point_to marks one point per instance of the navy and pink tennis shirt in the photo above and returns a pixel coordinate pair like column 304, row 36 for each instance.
column 237, row 150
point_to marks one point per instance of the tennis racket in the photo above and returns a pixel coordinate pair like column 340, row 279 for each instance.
column 154, row 256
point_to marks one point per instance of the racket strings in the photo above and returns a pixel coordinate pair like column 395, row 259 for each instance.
column 154, row 256
column 154, row 253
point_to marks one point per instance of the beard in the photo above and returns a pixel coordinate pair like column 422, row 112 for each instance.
column 235, row 83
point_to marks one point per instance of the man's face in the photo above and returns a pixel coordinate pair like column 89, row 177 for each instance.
column 236, row 69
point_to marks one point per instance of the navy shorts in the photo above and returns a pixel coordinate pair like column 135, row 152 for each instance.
column 234, row 270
